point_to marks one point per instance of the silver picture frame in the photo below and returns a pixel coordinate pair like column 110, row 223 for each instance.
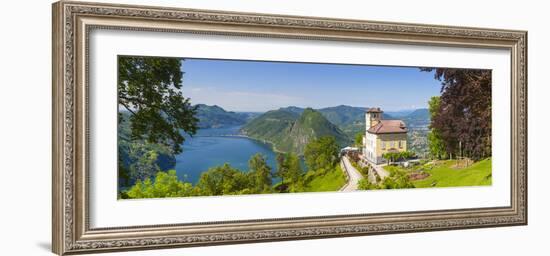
column 72, row 23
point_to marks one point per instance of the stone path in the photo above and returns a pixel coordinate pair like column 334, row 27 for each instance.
column 379, row 169
column 354, row 176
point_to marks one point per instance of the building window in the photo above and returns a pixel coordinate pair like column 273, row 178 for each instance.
column 383, row 145
column 400, row 144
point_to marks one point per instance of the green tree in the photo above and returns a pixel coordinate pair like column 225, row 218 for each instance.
column 364, row 184
column 395, row 156
column 224, row 180
column 294, row 173
column 396, row 180
column 132, row 153
column 391, row 156
column 260, row 173
column 463, row 119
column 359, row 139
column 290, row 172
column 321, row 154
column 166, row 184
column 282, row 168
column 149, row 88
column 436, row 145
column 145, row 167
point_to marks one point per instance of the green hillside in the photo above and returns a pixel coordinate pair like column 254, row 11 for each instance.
column 344, row 115
column 271, row 126
column 418, row 118
column 289, row 132
column 350, row 120
column 215, row 117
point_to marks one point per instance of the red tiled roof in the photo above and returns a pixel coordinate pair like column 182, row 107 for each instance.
column 388, row 126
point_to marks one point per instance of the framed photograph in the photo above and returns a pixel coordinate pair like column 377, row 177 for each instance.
column 179, row 127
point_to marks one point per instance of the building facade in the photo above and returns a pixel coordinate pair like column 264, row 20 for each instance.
column 382, row 136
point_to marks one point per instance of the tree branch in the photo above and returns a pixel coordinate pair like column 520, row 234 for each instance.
column 127, row 107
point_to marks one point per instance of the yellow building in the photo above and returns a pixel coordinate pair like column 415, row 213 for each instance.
column 382, row 136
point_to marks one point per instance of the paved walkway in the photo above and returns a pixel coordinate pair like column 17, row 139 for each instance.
column 379, row 169
column 353, row 175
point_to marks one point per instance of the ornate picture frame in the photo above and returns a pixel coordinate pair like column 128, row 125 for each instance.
column 72, row 23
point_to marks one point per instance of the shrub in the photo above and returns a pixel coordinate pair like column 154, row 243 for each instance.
column 166, row 184
column 364, row 184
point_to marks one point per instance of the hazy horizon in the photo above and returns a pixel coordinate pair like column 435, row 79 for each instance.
column 393, row 111
column 260, row 86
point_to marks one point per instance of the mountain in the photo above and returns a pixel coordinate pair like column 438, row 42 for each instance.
column 400, row 113
column 344, row 115
column 289, row 131
column 290, row 128
column 421, row 113
column 249, row 115
column 338, row 115
column 271, row 126
column 215, row 117
column 349, row 119
column 418, row 118
column 293, row 109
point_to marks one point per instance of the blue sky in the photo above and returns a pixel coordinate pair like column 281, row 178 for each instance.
column 261, row 86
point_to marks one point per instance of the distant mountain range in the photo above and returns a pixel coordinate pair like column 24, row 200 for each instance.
column 399, row 113
column 419, row 117
column 350, row 120
column 216, row 117
column 290, row 128
column 289, row 131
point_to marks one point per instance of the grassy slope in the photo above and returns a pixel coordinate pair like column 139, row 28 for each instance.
column 331, row 181
column 478, row 174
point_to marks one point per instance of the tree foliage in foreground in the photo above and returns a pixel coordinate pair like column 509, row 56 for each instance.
column 359, row 139
column 260, row 172
column 290, row 172
column 463, row 118
column 396, row 180
column 220, row 180
column 150, row 89
column 396, row 156
column 166, row 184
column 138, row 160
column 321, row 154
column 436, row 145
column 226, row 180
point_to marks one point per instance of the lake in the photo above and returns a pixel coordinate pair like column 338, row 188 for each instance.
column 214, row 147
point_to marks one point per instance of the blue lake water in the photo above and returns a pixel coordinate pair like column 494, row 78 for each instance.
column 214, row 147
